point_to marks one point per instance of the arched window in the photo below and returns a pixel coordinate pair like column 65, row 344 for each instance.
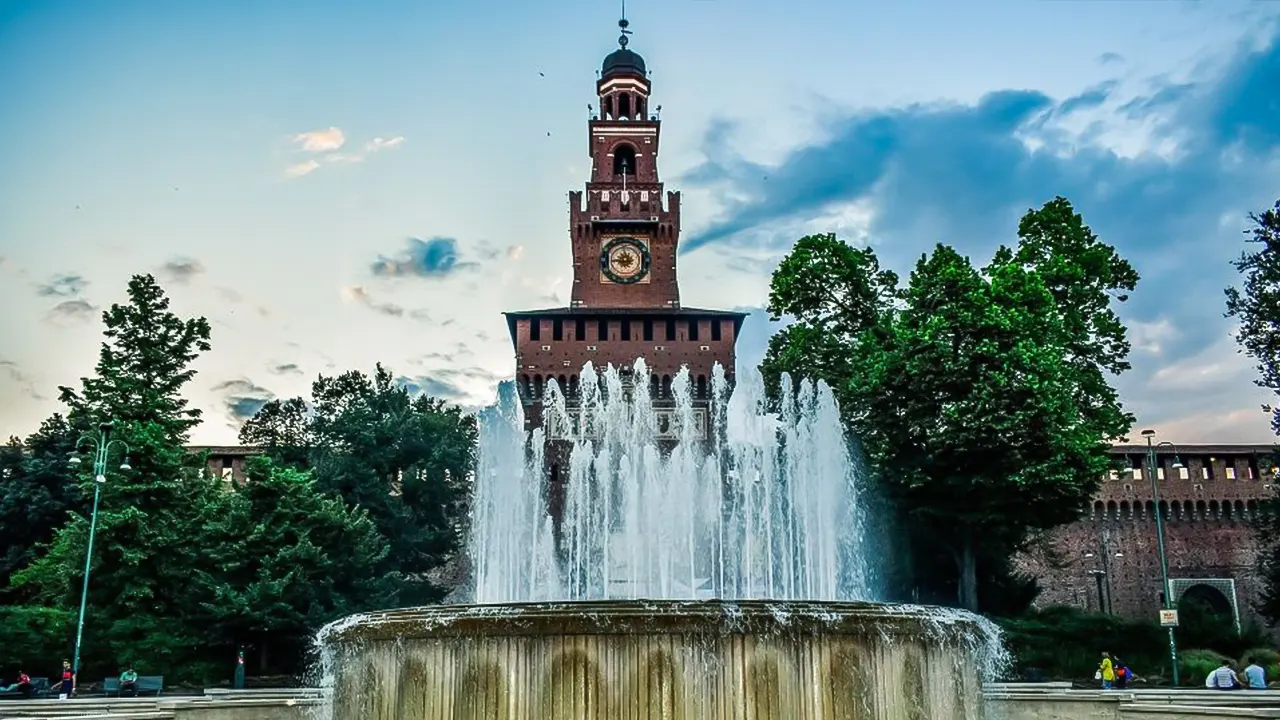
column 1113, row 510
column 573, row 385
column 624, row 105
column 1099, row 508
column 607, row 106
column 537, row 386
column 1124, row 509
column 1202, row 510
column 653, row 386
column 1213, row 509
column 666, row 386
column 524, row 386
column 563, row 382
column 702, row 386
column 1150, row 509
column 624, row 160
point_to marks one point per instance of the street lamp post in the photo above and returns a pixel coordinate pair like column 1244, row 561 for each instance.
column 1164, row 560
column 101, row 442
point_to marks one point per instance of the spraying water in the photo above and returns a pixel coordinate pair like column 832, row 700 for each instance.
column 710, row 498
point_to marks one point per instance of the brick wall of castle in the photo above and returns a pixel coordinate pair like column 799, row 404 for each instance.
column 1206, row 503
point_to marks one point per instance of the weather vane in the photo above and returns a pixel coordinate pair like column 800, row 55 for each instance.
column 623, row 25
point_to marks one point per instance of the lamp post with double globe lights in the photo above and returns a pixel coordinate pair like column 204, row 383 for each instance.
column 102, row 443
column 1164, row 559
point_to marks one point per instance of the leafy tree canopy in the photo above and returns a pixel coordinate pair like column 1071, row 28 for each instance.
column 406, row 460
column 982, row 396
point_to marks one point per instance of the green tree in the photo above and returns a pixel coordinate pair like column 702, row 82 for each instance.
column 406, row 460
column 287, row 558
column 37, row 491
column 148, row 539
column 1256, row 307
column 981, row 397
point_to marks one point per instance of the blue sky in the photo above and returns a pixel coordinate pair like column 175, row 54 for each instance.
column 338, row 184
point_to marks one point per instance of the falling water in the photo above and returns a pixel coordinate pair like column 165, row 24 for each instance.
column 721, row 498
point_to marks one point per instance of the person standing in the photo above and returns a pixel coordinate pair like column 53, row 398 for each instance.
column 68, row 681
column 1107, row 671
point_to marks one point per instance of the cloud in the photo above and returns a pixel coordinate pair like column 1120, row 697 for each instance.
column 378, row 143
column 470, row 387
column 286, row 369
column 181, row 270
column 325, row 143
column 72, row 312
column 63, row 286
column 25, row 382
column 242, row 398
column 434, row 258
column 1110, row 58
column 299, row 169
column 357, row 294
column 1166, row 170
column 320, row 140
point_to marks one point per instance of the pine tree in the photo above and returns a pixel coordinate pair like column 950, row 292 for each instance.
column 148, row 539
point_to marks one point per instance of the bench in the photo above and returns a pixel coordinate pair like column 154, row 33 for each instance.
column 39, row 688
column 145, row 684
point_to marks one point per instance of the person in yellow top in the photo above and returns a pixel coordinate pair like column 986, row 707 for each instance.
column 1107, row 671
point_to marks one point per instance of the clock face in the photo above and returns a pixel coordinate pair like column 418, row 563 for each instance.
column 625, row 260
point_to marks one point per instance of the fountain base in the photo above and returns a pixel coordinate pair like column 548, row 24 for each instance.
column 674, row 660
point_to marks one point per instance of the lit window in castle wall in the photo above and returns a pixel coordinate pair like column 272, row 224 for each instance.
column 1137, row 473
column 1231, row 472
column 1160, row 473
column 1114, row 474
column 1184, row 473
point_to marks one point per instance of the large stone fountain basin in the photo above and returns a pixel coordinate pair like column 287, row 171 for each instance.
column 658, row 660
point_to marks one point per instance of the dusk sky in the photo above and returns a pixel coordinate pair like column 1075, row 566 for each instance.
column 339, row 184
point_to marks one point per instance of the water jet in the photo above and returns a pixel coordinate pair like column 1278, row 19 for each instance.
column 707, row 561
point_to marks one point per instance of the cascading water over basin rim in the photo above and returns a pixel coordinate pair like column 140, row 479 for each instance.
column 726, row 617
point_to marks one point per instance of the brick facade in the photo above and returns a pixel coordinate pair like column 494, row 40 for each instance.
column 1206, row 505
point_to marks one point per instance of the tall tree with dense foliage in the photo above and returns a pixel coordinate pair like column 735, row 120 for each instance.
column 37, row 491
column 286, row 559
column 981, row 396
column 1256, row 307
column 148, row 541
column 406, row 460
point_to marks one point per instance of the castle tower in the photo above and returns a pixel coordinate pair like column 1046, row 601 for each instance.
column 624, row 235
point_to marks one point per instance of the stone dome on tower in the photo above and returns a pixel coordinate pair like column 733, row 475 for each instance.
column 621, row 61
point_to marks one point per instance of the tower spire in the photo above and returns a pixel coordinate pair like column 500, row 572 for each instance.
column 623, row 24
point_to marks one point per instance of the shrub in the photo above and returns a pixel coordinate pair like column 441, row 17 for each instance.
column 1195, row 665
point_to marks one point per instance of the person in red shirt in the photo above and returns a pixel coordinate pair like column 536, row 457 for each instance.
column 24, row 682
column 68, row 680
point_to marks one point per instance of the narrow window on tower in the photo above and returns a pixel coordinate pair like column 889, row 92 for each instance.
column 602, row 331
column 535, row 329
column 624, row 105
column 580, row 330
column 557, row 330
column 608, row 108
column 693, row 330
column 626, row 330
column 648, row 331
column 671, row 330
column 715, row 330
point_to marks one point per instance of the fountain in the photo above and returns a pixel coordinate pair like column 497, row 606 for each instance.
column 709, row 563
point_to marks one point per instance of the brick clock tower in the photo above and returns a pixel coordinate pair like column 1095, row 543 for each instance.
column 626, row 297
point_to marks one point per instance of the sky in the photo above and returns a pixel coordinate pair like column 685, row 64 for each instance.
column 338, row 184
